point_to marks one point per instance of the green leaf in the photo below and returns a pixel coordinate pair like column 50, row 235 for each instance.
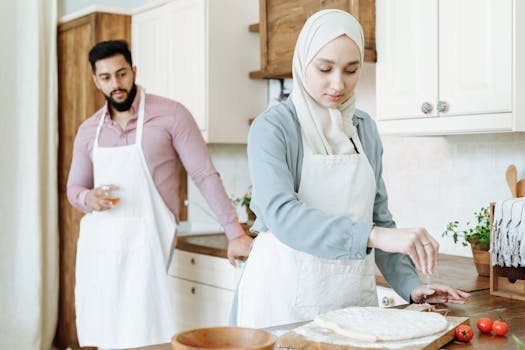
column 520, row 344
column 478, row 232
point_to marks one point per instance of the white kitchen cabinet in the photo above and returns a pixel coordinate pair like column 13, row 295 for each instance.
column 450, row 66
column 200, row 52
column 202, row 289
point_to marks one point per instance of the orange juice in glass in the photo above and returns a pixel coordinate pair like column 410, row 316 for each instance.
column 111, row 195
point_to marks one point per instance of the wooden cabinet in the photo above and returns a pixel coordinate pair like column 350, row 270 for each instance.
column 450, row 66
column 78, row 98
column 280, row 22
column 202, row 289
column 199, row 52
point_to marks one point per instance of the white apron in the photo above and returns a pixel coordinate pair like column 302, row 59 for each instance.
column 122, row 294
column 281, row 285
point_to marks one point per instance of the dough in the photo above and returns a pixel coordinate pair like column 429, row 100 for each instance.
column 374, row 324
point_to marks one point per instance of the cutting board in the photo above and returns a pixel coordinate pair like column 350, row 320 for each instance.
column 294, row 340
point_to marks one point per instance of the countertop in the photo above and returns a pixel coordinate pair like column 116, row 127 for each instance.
column 214, row 244
column 455, row 271
column 482, row 304
column 458, row 272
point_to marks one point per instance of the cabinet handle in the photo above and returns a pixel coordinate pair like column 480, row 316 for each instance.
column 426, row 107
column 386, row 301
column 193, row 290
column 443, row 106
column 192, row 261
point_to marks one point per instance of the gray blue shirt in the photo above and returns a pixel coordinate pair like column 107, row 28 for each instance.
column 275, row 155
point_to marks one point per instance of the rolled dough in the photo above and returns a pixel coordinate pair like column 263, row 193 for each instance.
column 374, row 324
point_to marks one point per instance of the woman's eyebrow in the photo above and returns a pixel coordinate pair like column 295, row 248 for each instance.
column 325, row 60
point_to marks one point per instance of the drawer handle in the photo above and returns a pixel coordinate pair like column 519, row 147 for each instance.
column 443, row 106
column 192, row 261
column 193, row 290
column 426, row 107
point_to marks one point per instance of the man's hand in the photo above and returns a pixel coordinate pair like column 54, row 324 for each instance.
column 239, row 247
column 96, row 198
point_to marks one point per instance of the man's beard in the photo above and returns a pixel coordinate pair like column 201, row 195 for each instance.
column 126, row 104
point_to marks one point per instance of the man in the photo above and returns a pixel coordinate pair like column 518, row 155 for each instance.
column 135, row 146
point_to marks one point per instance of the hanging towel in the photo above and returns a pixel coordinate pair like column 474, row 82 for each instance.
column 507, row 244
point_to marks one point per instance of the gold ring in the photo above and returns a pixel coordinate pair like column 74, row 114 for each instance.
column 427, row 243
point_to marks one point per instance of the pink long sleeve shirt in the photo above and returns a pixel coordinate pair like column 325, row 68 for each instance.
column 171, row 139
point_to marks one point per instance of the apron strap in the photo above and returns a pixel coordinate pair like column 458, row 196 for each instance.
column 99, row 127
column 140, row 120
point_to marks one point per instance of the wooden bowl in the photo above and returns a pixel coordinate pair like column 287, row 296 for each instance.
column 223, row 338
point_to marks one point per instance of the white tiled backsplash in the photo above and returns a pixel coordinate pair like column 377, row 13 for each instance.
column 430, row 180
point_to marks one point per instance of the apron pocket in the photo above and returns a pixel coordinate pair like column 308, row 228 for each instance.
column 332, row 284
column 120, row 234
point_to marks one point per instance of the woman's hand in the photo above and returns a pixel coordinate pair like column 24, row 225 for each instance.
column 96, row 198
column 415, row 242
column 438, row 294
column 239, row 248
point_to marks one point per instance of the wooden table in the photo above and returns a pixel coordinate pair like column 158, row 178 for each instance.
column 482, row 304
column 456, row 271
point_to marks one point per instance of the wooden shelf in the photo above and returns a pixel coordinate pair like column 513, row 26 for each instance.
column 268, row 75
column 254, row 28
column 281, row 21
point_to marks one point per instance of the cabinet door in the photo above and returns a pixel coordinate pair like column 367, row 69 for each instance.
column 407, row 58
column 475, row 56
column 201, row 268
column 198, row 305
column 149, row 48
column 187, row 56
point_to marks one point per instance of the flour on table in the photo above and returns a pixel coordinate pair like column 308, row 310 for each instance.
column 373, row 324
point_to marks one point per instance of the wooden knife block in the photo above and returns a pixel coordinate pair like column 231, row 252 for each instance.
column 507, row 282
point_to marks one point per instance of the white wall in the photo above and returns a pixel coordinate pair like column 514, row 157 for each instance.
column 231, row 162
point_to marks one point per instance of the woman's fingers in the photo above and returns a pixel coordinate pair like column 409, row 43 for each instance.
column 422, row 256
column 417, row 243
column 439, row 293
column 424, row 250
column 430, row 248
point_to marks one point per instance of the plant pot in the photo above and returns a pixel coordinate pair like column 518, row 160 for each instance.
column 482, row 261
column 251, row 215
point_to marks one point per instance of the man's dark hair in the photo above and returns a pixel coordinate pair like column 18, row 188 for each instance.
column 105, row 49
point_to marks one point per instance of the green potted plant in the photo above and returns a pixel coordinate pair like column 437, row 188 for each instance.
column 244, row 201
column 476, row 235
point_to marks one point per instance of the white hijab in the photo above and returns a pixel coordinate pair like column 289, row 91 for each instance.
column 326, row 131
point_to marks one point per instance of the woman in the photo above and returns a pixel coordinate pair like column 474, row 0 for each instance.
column 319, row 196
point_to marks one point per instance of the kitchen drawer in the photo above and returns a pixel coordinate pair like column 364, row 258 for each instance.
column 198, row 305
column 204, row 269
column 388, row 297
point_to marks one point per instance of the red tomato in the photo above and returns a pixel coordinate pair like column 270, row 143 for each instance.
column 500, row 327
column 464, row 333
column 485, row 325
